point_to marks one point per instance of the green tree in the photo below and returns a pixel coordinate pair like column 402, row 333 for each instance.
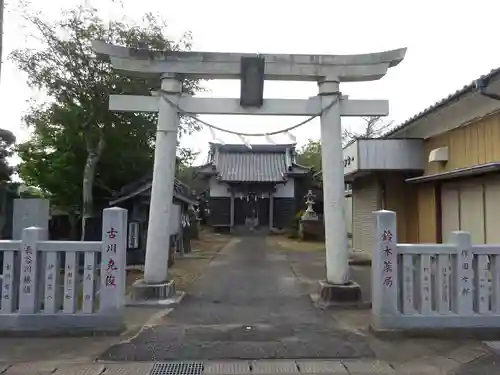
column 184, row 168
column 80, row 152
column 309, row 155
column 7, row 144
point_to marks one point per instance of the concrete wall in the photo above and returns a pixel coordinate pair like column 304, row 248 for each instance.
column 218, row 189
column 286, row 190
column 29, row 213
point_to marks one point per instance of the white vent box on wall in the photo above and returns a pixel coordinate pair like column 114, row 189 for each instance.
column 438, row 155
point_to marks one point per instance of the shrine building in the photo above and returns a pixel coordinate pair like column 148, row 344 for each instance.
column 258, row 186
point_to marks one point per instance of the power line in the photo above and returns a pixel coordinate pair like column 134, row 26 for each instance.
column 2, row 7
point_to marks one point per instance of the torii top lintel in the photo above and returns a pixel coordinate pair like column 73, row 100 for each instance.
column 214, row 65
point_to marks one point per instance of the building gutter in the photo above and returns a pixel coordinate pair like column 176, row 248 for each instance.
column 481, row 86
column 475, row 170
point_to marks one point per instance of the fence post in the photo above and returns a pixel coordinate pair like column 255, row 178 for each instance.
column 384, row 269
column 464, row 274
column 28, row 275
column 113, row 260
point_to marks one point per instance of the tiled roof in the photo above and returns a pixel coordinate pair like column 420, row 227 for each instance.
column 181, row 191
column 255, row 147
column 251, row 166
column 450, row 98
column 258, row 163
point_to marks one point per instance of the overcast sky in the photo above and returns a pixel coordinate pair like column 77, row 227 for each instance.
column 450, row 43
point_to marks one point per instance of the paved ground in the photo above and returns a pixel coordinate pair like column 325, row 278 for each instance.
column 488, row 364
column 248, row 304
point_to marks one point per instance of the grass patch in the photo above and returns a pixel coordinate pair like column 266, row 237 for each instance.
column 284, row 243
column 186, row 271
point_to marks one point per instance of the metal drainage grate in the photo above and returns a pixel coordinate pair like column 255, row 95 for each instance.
column 177, row 368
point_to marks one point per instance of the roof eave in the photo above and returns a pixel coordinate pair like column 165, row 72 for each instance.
column 475, row 170
column 252, row 181
column 452, row 98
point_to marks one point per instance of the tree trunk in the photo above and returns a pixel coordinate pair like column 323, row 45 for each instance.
column 93, row 156
column 3, row 210
column 72, row 218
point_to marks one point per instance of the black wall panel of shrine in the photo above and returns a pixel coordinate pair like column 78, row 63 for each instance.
column 284, row 212
column 220, row 211
column 263, row 205
column 239, row 211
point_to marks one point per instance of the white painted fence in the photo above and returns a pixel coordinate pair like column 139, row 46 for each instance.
column 422, row 286
column 41, row 293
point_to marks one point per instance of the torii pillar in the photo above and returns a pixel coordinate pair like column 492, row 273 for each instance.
column 327, row 70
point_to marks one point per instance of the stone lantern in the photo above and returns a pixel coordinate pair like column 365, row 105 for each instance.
column 309, row 214
column 310, row 227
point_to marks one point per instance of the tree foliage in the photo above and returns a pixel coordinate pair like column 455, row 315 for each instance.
column 184, row 168
column 309, row 155
column 7, row 143
column 76, row 141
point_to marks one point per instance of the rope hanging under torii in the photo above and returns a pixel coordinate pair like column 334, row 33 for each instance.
column 243, row 135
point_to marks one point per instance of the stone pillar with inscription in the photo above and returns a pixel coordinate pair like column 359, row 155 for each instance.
column 31, row 212
column 464, row 276
column 113, row 261
column 384, row 273
column 29, row 273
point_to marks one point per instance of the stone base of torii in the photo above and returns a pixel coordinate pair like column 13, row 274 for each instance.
column 327, row 70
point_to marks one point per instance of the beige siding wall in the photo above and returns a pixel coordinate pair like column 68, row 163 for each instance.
column 474, row 144
column 400, row 197
column 426, row 203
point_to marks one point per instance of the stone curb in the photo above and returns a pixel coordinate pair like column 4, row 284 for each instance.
column 421, row 366
column 449, row 363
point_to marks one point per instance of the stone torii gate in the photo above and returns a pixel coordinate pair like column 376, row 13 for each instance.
column 327, row 70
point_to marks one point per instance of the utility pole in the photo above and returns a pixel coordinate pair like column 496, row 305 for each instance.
column 2, row 6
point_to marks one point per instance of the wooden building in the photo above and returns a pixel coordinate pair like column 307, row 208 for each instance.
column 439, row 171
column 135, row 197
column 261, row 186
